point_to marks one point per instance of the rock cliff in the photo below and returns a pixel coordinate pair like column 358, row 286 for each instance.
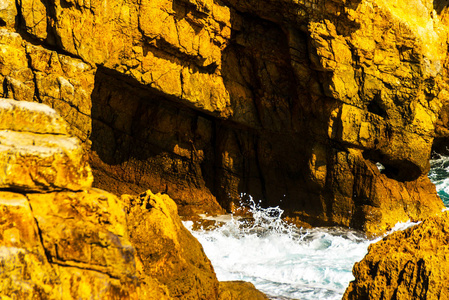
column 295, row 101
column 406, row 265
column 62, row 239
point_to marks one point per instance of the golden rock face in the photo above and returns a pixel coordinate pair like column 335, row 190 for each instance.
column 71, row 245
column 123, row 36
column 60, row 246
column 291, row 100
column 234, row 290
column 30, row 117
column 411, row 264
column 31, row 162
column 62, row 239
column 167, row 250
column 36, row 154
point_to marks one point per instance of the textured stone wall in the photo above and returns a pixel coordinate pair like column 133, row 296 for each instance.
column 62, row 239
column 293, row 102
column 411, row 264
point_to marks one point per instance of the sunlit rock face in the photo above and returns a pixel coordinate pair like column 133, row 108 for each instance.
column 36, row 152
column 62, row 239
column 405, row 265
column 292, row 102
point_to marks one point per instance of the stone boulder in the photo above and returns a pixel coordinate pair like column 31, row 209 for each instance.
column 167, row 250
column 410, row 264
column 59, row 238
column 72, row 245
column 239, row 290
column 54, row 249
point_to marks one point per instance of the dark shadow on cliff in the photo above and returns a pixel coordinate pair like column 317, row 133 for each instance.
column 277, row 93
column 275, row 147
column 440, row 5
column 266, row 159
column 142, row 140
column 441, row 145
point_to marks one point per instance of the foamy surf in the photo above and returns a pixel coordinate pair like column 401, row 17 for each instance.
column 283, row 261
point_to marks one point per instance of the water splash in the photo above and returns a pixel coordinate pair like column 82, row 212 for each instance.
column 282, row 260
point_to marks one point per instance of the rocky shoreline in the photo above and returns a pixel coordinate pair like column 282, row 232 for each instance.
column 410, row 264
column 329, row 109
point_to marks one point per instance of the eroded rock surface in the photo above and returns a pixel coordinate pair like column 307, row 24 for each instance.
column 234, row 290
column 70, row 242
column 282, row 100
column 50, row 250
column 36, row 152
column 65, row 240
column 166, row 248
column 410, row 264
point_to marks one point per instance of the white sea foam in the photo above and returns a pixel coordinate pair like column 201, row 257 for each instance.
column 290, row 263
column 283, row 261
column 402, row 226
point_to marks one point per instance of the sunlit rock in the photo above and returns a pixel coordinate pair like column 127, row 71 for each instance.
column 410, row 264
column 62, row 239
column 235, row 290
column 167, row 250
column 291, row 100
column 36, row 153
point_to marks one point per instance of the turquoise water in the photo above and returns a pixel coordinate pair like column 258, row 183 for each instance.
column 286, row 262
column 439, row 175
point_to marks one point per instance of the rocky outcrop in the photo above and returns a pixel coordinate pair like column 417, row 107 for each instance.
column 167, row 250
column 410, row 264
column 62, row 239
column 59, row 245
column 235, row 290
column 442, row 124
column 283, row 100
column 69, row 242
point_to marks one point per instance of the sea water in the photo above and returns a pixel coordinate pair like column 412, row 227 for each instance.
column 286, row 262
column 439, row 175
